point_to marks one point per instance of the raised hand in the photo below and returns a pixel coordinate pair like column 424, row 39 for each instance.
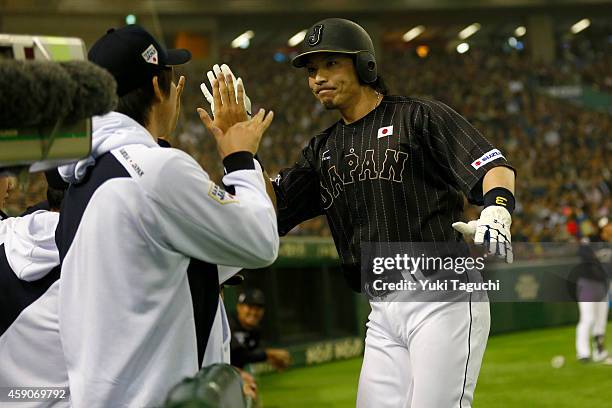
column 241, row 136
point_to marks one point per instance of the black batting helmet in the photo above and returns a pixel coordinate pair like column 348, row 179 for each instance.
column 339, row 35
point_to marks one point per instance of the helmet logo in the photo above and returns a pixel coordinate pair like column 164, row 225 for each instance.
column 315, row 36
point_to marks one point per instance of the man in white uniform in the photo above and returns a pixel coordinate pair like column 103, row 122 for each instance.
column 29, row 258
column 592, row 293
column 27, row 255
column 121, row 315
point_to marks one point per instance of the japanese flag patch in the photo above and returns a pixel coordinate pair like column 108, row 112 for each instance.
column 150, row 55
column 385, row 131
column 486, row 158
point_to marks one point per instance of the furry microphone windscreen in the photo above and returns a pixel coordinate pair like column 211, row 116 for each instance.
column 16, row 85
column 35, row 93
column 54, row 90
column 96, row 92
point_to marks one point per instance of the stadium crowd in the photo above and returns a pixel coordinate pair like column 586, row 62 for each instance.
column 560, row 150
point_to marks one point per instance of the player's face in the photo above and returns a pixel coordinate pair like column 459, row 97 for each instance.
column 249, row 315
column 332, row 79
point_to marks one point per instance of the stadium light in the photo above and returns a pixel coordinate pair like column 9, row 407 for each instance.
column 520, row 31
column 469, row 31
column 422, row 51
column 243, row 40
column 413, row 33
column 581, row 25
column 463, row 48
column 297, row 38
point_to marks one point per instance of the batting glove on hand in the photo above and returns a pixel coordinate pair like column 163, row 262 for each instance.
column 492, row 230
column 212, row 75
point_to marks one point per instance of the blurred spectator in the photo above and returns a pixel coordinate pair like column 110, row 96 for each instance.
column 7, row 184
column 4, row 190
column 56, row 188
column 245, row 344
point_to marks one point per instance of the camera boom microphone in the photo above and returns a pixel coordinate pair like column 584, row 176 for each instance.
column 40, row 93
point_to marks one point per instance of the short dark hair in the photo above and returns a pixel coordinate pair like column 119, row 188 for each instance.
column 378, row 85
column 137, row 103
column 54, row 198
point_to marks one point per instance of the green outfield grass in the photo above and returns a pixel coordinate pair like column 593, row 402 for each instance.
column 516, row 372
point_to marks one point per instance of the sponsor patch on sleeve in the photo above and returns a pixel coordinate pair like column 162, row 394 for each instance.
column 220, row 195
column 487, row 158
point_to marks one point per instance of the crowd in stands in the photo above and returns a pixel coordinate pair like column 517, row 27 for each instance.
column 561, row 151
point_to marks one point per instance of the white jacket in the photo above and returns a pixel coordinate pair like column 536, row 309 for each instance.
column 125, row 317
column 30, row 351
column 29, row 244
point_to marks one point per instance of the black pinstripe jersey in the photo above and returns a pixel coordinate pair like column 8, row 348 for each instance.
column 395, row 175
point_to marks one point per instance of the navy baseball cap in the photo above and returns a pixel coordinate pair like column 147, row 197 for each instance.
column 252, row 297
column 133, row 56
column 235, row 280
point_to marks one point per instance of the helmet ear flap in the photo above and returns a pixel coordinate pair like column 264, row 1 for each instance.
column 365, row 64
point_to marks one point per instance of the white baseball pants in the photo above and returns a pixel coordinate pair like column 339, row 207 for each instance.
column 423, row 355
column 593, row 320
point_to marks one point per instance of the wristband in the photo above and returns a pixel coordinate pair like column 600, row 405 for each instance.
column 238, row 161
column 500, row 196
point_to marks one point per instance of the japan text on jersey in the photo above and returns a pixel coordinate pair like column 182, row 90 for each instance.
column 399, row 174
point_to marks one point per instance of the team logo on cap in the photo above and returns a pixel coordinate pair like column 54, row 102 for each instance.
column 315, row 36
column 150, row 55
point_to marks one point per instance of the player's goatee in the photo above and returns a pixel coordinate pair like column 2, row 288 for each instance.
column 329, row 105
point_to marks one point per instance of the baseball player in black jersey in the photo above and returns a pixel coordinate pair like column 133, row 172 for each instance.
column 396, row 169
